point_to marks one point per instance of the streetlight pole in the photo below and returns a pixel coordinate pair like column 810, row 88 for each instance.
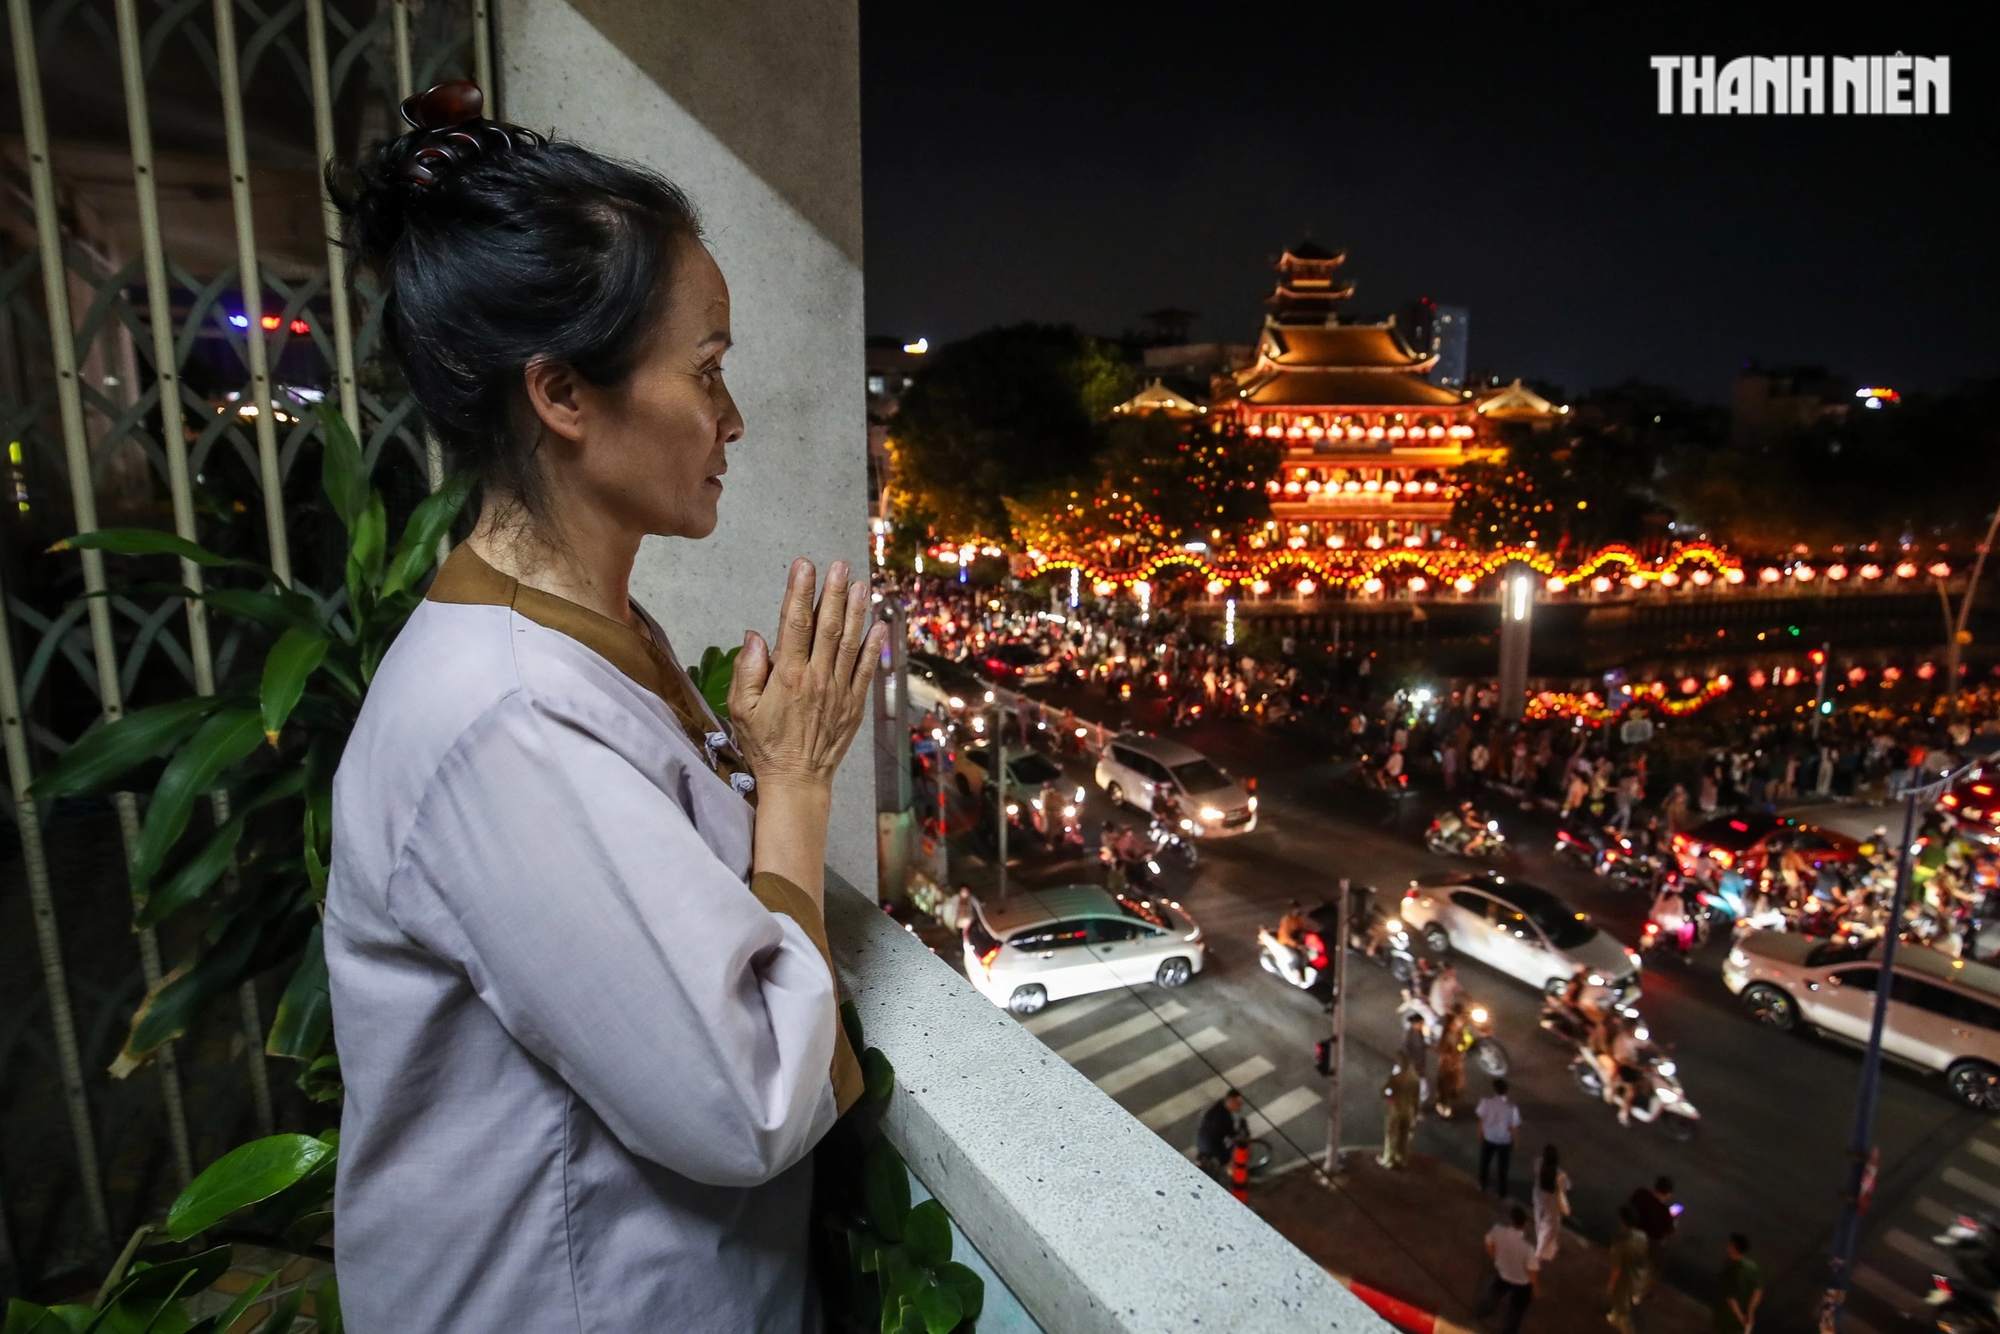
column 1960, row 636
column 1333, row 1164
column 1860, row 1160
column 1000, row 780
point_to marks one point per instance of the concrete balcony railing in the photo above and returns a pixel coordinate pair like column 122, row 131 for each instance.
column 1091, row 1221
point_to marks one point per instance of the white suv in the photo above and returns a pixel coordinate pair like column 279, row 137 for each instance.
column 1944, row 1013
column 1133, row 769
column 1044, row 945
column 1525, row 932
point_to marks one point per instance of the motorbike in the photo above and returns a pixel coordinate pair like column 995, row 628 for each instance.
column 1476, row 1038
column 1309, row 968
column 1465, row 838
column 1962, row 1307
column 1166, row 839
column 1681, row 934
column 1606, row 852
column 1057, row 817
column 1665, row 1102
column 1973, row 1240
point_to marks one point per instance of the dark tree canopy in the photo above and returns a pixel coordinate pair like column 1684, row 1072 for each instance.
column 1000, row 414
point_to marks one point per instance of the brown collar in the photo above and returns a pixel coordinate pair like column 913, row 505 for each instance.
column 465, row 579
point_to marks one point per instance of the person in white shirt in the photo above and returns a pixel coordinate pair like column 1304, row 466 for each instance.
column 1551, row 1203
column 1516, row 1272
column 1499, row 1118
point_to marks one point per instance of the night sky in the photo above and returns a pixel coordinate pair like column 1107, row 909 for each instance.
column 1065, row 163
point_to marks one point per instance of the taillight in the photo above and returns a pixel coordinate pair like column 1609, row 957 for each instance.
column 1723, row 857
column 1315, row 949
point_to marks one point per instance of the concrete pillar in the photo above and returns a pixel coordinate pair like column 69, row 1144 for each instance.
column 1517, row 611
column 754, row 109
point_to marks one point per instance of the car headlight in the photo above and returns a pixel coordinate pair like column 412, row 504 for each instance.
column 1479, row 1015
column 1596, row 979
column 1493, row 826
column 957, row 703
column 1642, row 1033
column 1079, row 794
column 1738, row 959
column 1253, row 803
column 1187, row 826
column 1068, row 811
column 1210, row 813
column 1012, row 809
column 1666, row 1068
column 1036, row 803
column 989, row 697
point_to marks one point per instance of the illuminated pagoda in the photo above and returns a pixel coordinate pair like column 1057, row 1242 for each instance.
column 1371, row 446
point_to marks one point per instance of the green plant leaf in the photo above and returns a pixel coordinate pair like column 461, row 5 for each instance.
column 368, row 543
column 850, row 1020
column 885, row 1189
column 153, row 1282
column 877, row 1075
column 275, row 611
column 226, row 1320
column 938, row 1305
column 712, row 677
column 927, row 1232
column 194, row 877
column 28, row 1318
column 343, row 470
column 305, row 1011
column 326, row 1308
column 287, row 667
column 243, row 1176
column 287, row 1313
column 966, row 1285
column 101, row 757
column 143, row 542
column 250, row 933
column 320, row 1081
column 222, row 740
column 416, row 551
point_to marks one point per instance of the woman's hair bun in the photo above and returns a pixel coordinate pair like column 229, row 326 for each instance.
column 448, row 132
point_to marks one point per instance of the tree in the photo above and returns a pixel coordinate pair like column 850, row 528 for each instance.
column 1159, row 483
column 1001, row 414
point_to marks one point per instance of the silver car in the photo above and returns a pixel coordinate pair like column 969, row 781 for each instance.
column 1523, row 931
column 1134, row 769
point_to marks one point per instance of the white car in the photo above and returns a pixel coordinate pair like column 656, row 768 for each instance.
column 1944, row 1013
column 1521, row 930
column 1045, row 945
column 1133, row 769
column 943, row 688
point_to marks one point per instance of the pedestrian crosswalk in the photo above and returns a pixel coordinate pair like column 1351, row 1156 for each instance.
column 1167, row 1073
column 1897, row 1258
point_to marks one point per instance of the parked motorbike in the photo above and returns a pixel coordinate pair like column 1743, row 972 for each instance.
column 1663, row 1103
column 1476, row 1038
column 1452, row 835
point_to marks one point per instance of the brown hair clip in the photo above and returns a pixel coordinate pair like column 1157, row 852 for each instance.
column 451, row 130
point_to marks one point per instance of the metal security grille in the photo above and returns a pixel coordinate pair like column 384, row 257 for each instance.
column 173, row 306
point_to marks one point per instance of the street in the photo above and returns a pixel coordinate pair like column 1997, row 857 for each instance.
column 1776, row 1108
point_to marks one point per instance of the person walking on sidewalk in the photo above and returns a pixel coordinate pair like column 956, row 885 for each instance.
column 1742, row 1289
column 1499, row 1118
column 1551, row 1203
column 1400, row 1123
column 1655, row 1209
column 1516, row 1272
column 1628, row 1270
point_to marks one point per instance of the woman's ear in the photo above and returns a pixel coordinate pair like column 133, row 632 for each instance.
column 555, row 394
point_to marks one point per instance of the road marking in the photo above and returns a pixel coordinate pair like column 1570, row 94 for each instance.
column 1189, row 1101
column 1107, row 1038
column 1290, row 1107
column 1918, row 1249
column 1870, row 1279
column 1076, row 1009
column 1981, row 1149
column 1971, row 1185
column 1935, row 1211
column 1161, row 1061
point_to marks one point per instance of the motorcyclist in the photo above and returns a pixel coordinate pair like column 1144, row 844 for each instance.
column 1451, row 824
column 1628, row 1070
column 1288, row 943
column 1445, row 993
column 1669, row 913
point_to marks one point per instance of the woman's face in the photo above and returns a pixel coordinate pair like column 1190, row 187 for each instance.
column 649, row 454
